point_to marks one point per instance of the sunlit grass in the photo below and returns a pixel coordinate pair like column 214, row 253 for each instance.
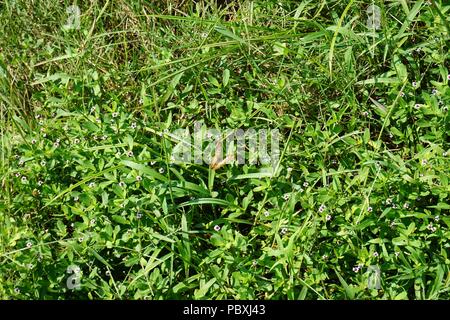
column 87, row 179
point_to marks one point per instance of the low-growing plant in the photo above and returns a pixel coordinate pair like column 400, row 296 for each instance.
column 92, row 205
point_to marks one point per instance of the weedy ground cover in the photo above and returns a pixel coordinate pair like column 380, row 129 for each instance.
column 93, row 207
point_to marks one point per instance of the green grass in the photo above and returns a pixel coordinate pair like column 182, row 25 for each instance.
column 86, row 178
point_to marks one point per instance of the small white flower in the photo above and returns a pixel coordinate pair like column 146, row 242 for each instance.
column 92, row 222
column 56, row 144
column 33, row 141
column 91, row 184
column 138, row 215
column 406, row 205
column 43, row 163
column 122, row 184
column 80, row 239
column 21, row 162
column 286, row 196
column 322, row 208
column 375, row 254
column 217, row 228
column 448, row 77
column 433, row 229
column 402, row 94
column 414, row 84
column 130, row 153
column 444, row 154
column 29, row 244
column 30, row 266
column 356, row 269
column 369, row 209
column 17, row 174
column 161, row 170
column 289, row 170
column 139, row 178
column 133, row 125
column 436, row 218
column 24, row 179
column 115, row 114
column 16, row 290
column 424, row 162
column 266, row 213
column 305, row 184
column 93, row 109
column 365, row 113
column 283, row 231
column 430, row 226
column 76, row 199
column 397, row 254
column 417, row 106
column 434, row 92
column 108, row 273
column 152, row 162
column 325, row 257
column 104, row 137
column 388, row 201
column 328, row 217
column 76, row 141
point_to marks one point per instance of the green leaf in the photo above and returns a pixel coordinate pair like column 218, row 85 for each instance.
column 375, row 80
column 349, row 291
column 441, row 205
column 380, row 109
column 144, row 169
column 400, row 241
column 99, row 257
column 226, row 77
column 120, row 219
column 207, row 201
column 203, row 290
column 227, row 33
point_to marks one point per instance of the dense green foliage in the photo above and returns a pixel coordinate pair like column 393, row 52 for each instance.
column 86, row 178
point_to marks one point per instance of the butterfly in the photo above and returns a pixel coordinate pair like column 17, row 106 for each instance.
column 215, row 164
